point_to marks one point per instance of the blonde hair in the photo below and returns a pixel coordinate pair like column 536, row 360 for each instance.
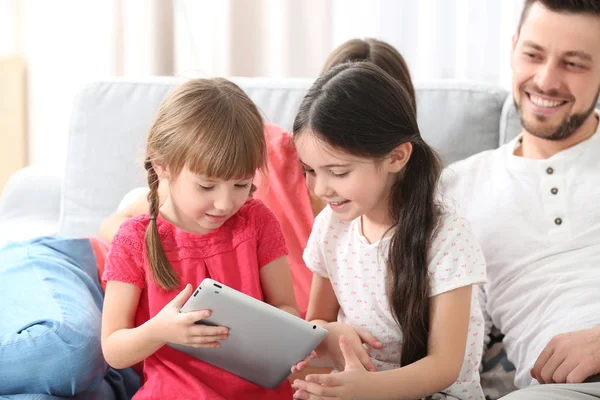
column 211, row 127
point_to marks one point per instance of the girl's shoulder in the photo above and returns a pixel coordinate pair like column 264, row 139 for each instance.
column 450, row 228
column 455, row 258
column 130, row 236
column 450, row 220
column 134, row 227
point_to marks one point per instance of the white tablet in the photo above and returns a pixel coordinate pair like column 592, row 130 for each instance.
column 264, row 341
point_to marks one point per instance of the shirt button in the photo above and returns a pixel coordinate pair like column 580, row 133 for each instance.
column 558, row 221
column 550, row 170
column 554, row 190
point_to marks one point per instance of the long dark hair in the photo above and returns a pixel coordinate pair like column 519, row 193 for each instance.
column 360, row 110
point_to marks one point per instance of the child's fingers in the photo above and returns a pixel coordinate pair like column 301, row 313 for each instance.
column 207, row 339
column 182, row 297
column 363, row 355
column 195, row 316
column 304, row 363
column 204, row 330
column 368, row 338
column 209, row 345
column 365, row 358
column 300, row 394
column 368, row 364
column 301, row 365
column 350, row 357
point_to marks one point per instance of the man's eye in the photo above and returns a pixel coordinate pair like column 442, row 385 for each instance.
column 531, row 56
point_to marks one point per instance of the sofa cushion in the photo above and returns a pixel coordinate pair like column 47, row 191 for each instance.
column 51, row 303
column 510, row 124
column 459, row 119
column 110, row 120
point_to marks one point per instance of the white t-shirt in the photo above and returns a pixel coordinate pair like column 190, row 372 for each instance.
column 357, row 271
column 538, row 223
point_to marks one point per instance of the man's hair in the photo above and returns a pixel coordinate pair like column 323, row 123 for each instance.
column 564, row 6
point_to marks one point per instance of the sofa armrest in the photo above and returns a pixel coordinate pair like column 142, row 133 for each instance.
column 30, row 204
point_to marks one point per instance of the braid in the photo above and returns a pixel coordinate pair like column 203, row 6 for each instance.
column 153, row 193
column 162, row 272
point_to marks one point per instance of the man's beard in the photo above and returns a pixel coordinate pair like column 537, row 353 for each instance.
column 567, row 127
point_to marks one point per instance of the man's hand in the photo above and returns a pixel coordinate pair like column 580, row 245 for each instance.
column 569, row 358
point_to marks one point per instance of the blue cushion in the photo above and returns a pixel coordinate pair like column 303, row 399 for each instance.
column 51, row 306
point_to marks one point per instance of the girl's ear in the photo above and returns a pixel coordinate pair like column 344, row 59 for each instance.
column 161, row 171
column 399, row 157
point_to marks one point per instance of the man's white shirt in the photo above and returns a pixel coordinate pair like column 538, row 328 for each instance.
column 538, row 223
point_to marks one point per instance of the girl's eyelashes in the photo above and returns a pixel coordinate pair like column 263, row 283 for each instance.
column 312, row 172
column 343, row 174
column 238, row 186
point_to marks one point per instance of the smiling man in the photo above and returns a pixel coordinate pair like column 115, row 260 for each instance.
column 556, row 69
column 535, row 205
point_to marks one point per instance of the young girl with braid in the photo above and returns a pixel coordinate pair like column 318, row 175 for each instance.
column 207, row 141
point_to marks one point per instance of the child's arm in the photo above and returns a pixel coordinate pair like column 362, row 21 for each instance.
column 447, row 342
column 277, row 287
column 323, row 305
column 123, row 345
column 450, row 313
column 323, row 309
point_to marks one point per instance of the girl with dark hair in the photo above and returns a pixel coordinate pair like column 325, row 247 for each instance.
column 386, row 257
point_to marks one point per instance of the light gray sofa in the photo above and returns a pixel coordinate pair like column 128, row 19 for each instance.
column 110, row 120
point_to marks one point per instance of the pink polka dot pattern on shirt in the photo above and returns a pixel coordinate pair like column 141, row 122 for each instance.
column 357, row 271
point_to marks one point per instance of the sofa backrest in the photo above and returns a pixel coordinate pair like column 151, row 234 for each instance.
column 110, row 120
